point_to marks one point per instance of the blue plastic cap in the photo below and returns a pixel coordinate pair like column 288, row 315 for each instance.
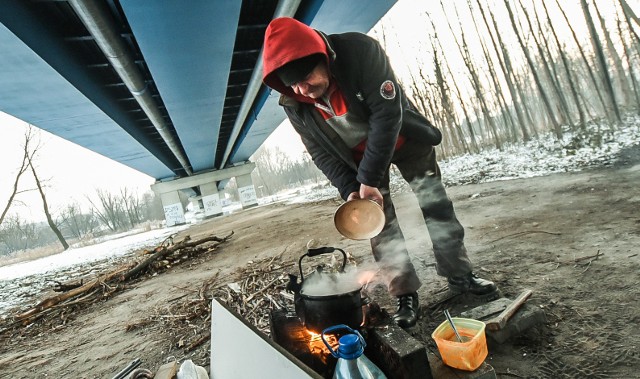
column 350, row 346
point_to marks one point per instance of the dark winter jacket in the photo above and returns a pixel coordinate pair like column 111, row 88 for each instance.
column 363, row 73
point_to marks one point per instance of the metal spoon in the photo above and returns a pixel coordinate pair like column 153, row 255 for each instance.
column 446, row 313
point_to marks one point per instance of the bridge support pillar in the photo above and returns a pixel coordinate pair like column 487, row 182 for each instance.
column 173, row 211
column 246, row 191
column 211, row 199
column 207, row 183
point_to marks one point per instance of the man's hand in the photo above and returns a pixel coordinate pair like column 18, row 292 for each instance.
column 367, row 192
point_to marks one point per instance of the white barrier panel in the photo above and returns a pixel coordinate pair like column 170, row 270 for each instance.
column 239, row 351
column 212, row 205
column 174, row 214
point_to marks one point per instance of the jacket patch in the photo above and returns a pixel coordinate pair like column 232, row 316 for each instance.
column 359, row 96
column 388, row 90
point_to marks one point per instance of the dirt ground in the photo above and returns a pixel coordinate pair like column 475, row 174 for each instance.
column 540, row 233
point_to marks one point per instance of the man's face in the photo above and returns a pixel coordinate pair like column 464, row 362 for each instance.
column 315, row 84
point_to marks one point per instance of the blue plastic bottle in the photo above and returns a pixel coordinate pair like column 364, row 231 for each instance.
column 352, row 363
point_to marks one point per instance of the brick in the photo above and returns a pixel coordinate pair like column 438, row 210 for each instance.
column 397, row 353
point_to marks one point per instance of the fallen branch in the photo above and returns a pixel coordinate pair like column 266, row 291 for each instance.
column 163, row 250
column 61, row 287
column 571, row 261
column 589, row 263
column 50, row 302
column 198, row 342
column 107, row 284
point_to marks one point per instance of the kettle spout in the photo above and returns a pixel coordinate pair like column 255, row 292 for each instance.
column 293, row 284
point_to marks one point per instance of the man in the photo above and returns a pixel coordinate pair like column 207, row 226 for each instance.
column 342, row 97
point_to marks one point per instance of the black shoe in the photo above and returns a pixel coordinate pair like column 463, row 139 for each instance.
column 407, row 314
column 470, row 283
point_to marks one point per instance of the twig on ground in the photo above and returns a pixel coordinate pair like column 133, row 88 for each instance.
column 523, row 233
column 591, row 260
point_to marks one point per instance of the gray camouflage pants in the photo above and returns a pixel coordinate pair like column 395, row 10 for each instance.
column 418, row 166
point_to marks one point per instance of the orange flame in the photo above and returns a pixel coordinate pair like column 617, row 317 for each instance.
column 365, row 277
column 317, row 346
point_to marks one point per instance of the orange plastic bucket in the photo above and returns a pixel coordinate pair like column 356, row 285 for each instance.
column 467, row 355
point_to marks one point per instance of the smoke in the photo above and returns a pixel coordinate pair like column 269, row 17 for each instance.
column 327, row 284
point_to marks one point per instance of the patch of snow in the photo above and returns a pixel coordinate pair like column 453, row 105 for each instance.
column 107, row 248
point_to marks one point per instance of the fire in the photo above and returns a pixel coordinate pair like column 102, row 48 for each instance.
column 317, row 346
column 365, row 277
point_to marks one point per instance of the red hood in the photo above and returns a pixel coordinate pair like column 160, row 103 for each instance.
column 285, row 40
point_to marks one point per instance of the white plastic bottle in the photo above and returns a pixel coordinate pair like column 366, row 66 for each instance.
column 352, row 363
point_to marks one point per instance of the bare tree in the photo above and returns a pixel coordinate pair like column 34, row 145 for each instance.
column 475, row 80
column 109, row 210
column 24, row 166
column 17, row 234
column 548, row 66
column 627, row 55
column 534, row 72
column 585, row 60
column 565, row 65
column 132, row 206
column 502, row 102
column 620, row 77
column 75, row 222
column 503, row 61
column 601, row 60
column 45, row 205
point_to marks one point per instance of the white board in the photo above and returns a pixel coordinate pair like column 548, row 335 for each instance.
column 239, row 351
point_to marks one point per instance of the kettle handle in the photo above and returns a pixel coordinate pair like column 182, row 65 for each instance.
column 321, row 250
column 340, row 327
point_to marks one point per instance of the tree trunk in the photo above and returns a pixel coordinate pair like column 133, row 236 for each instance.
column 50, row 221
column 472, row 135
column 517, row 91
column 567, row 70
column 536, row 77
column 26, row 156
column 602, row 61
column 627, row 56
column 592, row 75
column 629, row 16
column 506, row 113
column 548, row 69
column 446, row 102
column 475, row 81
column 507, row 76
column 621, row 75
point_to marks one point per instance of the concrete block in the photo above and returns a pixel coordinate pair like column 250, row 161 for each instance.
column 526, row 317
column 397, row 353
column 441, row 371
column 486, row 311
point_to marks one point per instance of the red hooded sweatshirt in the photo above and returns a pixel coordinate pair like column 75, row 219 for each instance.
column 286, row 40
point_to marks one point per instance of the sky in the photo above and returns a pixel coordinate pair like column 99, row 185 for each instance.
column 73, row 172
column 69, row 170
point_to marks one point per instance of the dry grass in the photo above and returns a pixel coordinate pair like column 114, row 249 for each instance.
column 31, row 254
column 56, row 248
